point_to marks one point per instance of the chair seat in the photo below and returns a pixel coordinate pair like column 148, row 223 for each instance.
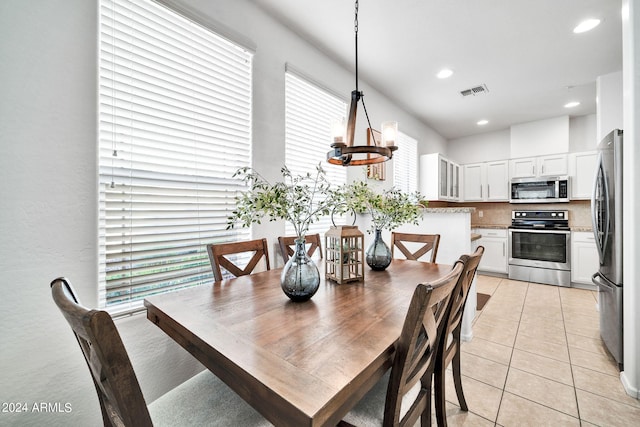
column 204, row 400
column 369, row 411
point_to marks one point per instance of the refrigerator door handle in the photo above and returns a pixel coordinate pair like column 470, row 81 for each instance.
column 602, row 282
column 600, row 224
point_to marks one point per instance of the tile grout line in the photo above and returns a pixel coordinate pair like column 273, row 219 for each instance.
column 513, row 346
column 573, row 378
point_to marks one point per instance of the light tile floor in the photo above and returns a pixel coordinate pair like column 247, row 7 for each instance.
column 536, row 359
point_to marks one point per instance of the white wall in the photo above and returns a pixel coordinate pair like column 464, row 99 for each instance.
column 485, row 147
column 631, row 191
column 48, row 175
column 582, row 133
column 482, row 147
column 609, row 103
column 550, row 136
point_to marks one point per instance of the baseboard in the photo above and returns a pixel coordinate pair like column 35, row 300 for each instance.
column 493, row 274
column 630, row 390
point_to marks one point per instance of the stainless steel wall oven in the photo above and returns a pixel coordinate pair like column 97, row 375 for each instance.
column 540, row 247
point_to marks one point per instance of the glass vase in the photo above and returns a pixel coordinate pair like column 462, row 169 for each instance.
column 300, row 277
column 378, row 254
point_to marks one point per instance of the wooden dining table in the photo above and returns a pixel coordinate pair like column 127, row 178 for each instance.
column 297, row 363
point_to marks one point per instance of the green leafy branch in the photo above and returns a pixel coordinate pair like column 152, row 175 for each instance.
column 301, row 200
column 389, row 209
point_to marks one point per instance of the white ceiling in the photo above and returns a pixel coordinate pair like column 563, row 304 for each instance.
column 524, row 51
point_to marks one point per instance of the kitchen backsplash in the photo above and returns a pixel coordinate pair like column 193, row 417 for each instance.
column 500, row 213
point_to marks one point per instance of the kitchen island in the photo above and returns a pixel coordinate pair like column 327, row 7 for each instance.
column 454, row 227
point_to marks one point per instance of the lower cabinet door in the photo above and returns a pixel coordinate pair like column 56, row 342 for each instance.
column 495, row 255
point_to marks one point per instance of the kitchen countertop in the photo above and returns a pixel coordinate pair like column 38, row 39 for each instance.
column 450, row 210
column 493, row 226
column 584, row 229
column 475, row 236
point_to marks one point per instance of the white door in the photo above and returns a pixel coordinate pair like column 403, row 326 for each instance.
column 523, row 168
column 583, row 172
column 552, row 165
column 497, row 181
column 473, row 175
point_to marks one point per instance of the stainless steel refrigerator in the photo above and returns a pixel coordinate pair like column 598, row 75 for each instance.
column 606, row 212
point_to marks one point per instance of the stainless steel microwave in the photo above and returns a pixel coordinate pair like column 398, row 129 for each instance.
column 550, row 189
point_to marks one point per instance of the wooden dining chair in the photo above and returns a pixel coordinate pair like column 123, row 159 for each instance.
column 287, row 245
column 450, row 346
column 201, row 400
column 404, row 395
column 429, row 242
column 219, row 252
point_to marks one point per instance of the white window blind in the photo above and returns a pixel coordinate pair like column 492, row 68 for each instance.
column 309, row 113
column 405, row 164
column 175, row 124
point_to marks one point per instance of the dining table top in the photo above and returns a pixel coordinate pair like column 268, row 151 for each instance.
column 297, row 363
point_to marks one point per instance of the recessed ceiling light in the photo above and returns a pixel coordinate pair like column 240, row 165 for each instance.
column 586, row 25
column 444, row 73
column 482, row 122
column 571, row 104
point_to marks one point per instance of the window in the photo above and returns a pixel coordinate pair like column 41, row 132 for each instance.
column 309, row 112
column 174, row 125
column 405, row 164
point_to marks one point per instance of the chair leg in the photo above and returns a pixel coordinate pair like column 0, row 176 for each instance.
column 457, row 376
column 425, row 417
column 440, row 398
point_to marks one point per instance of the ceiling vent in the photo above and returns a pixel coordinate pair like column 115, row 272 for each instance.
column 477, row 90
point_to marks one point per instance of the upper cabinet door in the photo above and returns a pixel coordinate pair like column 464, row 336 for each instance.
column 582, row 169
column 473, row 182
column 454, row 181
column 497, row 181
column 553, row 165
column 523, row 168
column 444, row 178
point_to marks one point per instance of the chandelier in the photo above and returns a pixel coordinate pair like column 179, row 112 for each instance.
column 343, row 150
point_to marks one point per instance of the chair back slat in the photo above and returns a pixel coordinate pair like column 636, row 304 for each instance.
column 430, row 243
column 458, row 302
column 119, row 393
column 218, row 257
column 287, row 245
column 416, row 348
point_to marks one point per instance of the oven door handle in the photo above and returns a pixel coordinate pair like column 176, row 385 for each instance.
column 537, row 230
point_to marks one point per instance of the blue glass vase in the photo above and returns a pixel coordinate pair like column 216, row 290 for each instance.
column 378, row 255
column 300, row 277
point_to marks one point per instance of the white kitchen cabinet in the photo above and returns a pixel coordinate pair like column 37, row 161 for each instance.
column 553, row 165
column 523, row 168
column 474, row 177
column 498, row 181
column 582, row 169
column 531, row 167
column 488, row 181
column 439, row 178
column 494, row 259
column 584, row 257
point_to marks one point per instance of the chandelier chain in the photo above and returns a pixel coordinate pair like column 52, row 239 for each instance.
column 355, row 21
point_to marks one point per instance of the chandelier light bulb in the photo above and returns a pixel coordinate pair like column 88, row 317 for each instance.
column 389, row 133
